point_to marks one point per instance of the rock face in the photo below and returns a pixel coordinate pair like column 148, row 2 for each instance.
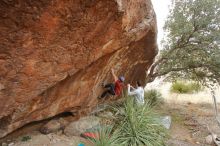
column 53, row 126
column 82, row 125
column 55, row 53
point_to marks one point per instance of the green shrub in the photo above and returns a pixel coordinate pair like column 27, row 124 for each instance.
column 195, row 87
column 183, row 87
column 180, row 87
column 153, row 97
column 138, row 126
column 25, row 138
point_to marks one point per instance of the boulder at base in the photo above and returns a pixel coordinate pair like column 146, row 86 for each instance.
column 53, row 126
column 82, row 125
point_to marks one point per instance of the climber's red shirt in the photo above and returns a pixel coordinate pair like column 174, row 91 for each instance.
column 118, row 87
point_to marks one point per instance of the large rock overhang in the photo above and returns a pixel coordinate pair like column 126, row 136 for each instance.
column 54, row 54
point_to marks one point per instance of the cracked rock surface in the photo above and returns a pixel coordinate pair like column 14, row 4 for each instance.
column 54, row 54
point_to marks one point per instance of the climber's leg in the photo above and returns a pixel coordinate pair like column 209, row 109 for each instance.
column 110, row 86
column 110, row 90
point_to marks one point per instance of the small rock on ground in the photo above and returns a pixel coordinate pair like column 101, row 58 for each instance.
column 209, row 139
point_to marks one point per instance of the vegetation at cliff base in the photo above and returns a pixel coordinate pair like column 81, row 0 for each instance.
column 134, row 126
column 153, row 97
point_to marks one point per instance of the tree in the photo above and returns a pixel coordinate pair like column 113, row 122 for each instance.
column 191, row 48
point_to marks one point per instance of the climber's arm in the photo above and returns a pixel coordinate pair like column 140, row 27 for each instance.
column 134, row 92
column 132, row 87
column 114, row 76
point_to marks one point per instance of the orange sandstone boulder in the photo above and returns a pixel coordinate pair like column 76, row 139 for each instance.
column 55, row 53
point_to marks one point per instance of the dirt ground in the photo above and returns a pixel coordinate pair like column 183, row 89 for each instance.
column 191, row 114
column 188, row 127
column 29, row 135
column 189, row 123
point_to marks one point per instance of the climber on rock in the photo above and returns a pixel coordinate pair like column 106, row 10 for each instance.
column 137, row 93
column 113, row 88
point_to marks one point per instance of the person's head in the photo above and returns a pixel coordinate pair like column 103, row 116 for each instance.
column 121, row 79
column 139, row 84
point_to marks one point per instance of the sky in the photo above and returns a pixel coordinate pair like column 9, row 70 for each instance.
column 161, row 8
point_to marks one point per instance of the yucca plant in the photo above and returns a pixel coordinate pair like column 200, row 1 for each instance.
column 104, row 137
column 138, row 126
